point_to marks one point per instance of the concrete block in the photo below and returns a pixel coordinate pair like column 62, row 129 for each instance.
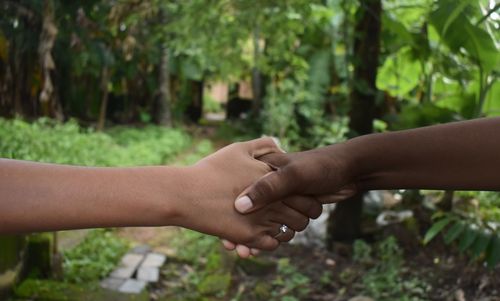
column 148, row 274
column 132, row 286
column 155, row 260
column 123, row 273
column 112, row 283
column 131, row 260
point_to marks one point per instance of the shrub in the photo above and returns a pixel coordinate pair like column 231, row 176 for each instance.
column 67, row 143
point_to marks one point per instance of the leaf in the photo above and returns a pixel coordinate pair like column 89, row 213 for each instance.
column 461, row 33
column 467, row 238
column 492, row 104
column 428, row 113
column 454, row 232
column 493, row 253
column 399, row 74
column 436, row 228
column 480, row 244
column 454, row 14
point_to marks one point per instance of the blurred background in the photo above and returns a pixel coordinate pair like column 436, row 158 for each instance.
column 129, row 82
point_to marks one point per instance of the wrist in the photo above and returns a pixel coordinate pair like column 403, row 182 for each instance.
column 344, row 164
column 357, row 157
column 190, row 191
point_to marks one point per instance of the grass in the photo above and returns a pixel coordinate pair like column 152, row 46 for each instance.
column 94, row 258
column 67, row 143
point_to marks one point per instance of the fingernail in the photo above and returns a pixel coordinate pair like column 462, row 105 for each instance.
column 243, row 204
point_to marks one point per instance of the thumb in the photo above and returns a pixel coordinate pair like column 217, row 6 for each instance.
column 270, row 188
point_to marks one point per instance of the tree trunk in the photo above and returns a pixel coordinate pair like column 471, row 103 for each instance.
column 48, row 102
column 344, row 222
column 164, row 113
column 258, row 80
column 104, row 98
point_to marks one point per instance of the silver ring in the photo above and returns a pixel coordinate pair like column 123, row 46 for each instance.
column 283, row 230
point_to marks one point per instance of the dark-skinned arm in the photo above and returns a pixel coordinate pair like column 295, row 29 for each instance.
column 460, row 156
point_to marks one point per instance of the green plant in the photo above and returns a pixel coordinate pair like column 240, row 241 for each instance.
column 46, row 140
column 362, row 252
column 479, row 238
column 210, row 105
column 94, row 258
column 289, row 283
column 385, row 278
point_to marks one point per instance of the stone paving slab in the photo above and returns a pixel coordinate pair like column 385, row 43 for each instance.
column 132, row 286
column 131, row 260
column 123, row 273
column 155, row 260
column 112, row 283
column 148, row 274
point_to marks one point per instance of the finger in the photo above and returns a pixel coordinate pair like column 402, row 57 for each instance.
column 243, row 251
column 275, row 160
column 284, row 236
column 254, row 251
column 292, row 218
column 228, row 245
column 272, row 187
column 343, row 194
column 308, row 206
column 262, row 146
column 266, row 242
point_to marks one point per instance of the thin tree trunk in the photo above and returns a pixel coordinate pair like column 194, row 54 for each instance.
column 164, row 116
column 164, row 113
column 344, row 222
column 258, row 81
column 104, row 98
column 47, row 39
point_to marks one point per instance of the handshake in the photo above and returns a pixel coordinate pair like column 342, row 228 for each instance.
column 256, row 196
column 251, row 194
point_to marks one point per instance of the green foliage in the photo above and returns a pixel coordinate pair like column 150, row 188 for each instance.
column 201, row 149
column 458, row 32
column 94, row 258
column 479, row 238
column 209, row 275
column 210, row 105
column 386, row 278
column 193, row 244
column 362, row 252
column 68, row 143
column 294, row 115
column 290, row 281
column 38, row 289
column 400, row 73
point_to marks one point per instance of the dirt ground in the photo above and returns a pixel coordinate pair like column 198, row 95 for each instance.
column 450, row 275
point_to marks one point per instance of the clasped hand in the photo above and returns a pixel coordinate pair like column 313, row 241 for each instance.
column 272, row 189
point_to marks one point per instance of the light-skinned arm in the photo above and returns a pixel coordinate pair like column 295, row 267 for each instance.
column 46, row 197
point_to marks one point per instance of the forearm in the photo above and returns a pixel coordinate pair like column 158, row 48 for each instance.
column 460, row 156
column 43, row 197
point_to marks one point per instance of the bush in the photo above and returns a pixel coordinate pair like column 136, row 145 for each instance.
column 94, row 258
column 67, row 143
column 385, row 277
